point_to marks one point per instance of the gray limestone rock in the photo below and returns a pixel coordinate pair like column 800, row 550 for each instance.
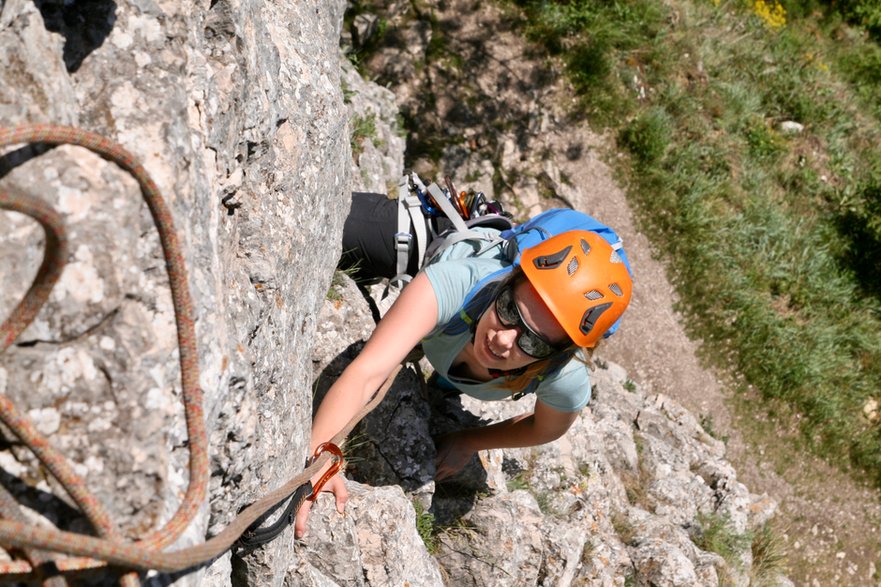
column 374, row 544
column 246, row 119
column 235, row 108
column 499, row 543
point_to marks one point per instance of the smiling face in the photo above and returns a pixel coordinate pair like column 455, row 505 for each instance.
column 495, row 342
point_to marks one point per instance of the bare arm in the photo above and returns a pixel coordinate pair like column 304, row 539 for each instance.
column 409, row 320
column 543, row 425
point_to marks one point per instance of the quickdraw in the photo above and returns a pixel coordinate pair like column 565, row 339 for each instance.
column 256, row 536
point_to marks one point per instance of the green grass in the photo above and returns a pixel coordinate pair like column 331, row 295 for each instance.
column 769, row 557
column 426, row 527
column 716, row 534
column 363, row 129
column 773, row 240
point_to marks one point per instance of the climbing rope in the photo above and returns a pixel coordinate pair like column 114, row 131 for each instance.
column 135, row 555
column 110, row 548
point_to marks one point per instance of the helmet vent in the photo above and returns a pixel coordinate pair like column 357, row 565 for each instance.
column 590, row 317
column 572, row 267
column 551, row 261
column 616, row 289
column 594, row 295
column 615, row 258
column 585, row 247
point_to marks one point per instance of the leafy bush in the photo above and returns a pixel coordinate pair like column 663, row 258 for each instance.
column 863, row 13
column 866, row 13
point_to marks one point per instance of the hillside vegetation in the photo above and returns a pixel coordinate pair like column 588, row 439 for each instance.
column 752, row 129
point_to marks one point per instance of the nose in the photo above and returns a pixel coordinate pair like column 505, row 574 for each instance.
column 506, row 337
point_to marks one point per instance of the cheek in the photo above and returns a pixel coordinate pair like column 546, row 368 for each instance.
column 482, row 327
column 519, row 359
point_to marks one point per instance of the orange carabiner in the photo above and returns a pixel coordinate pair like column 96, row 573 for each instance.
column 335, row 467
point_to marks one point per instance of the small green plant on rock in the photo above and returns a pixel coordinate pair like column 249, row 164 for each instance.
column 425, row 526
column 717, row 534
column 636, row 482
column 543, row 499
column 363, row 128
column 769, row 557
column 517, row 482
column 336, row 282
column 623, row 528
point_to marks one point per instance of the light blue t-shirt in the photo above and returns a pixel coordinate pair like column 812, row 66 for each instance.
column 452, row 276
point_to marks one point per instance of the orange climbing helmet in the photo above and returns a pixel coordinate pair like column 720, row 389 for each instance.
column 582, row 280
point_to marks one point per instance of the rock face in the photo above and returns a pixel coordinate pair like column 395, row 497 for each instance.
column 636, row 491
column 236, row 110
column 256, row 132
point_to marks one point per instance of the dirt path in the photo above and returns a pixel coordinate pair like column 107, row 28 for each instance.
column 830, row 522
column 469, row 80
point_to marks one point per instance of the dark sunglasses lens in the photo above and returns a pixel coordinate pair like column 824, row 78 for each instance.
column 533, row 345
column 529, row 342
column 506, row 308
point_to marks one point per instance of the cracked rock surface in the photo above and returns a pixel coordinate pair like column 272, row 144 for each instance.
column 242, row 112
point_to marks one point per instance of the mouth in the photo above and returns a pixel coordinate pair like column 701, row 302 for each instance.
column 491, row 352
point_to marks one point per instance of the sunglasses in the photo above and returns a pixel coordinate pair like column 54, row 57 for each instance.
column 529, row 341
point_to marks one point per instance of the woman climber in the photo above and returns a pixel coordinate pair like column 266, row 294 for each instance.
column 494, row 324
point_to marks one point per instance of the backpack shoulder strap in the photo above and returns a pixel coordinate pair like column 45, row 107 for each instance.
column 489, row 239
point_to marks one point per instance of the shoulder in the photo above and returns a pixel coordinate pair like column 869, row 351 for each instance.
column 567, row 390
column 453, row 280
column 469, row 269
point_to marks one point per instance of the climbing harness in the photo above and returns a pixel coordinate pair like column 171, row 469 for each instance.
column 88, row 552
column 419, row 209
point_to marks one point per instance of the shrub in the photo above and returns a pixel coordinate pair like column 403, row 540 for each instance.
column 648, row 136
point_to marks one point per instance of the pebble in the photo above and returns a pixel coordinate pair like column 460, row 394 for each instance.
column 791, row 127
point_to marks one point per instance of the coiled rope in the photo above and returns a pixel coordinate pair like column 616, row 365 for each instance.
column 109, row 548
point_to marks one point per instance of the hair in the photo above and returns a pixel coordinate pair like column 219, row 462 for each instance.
column 545, row 367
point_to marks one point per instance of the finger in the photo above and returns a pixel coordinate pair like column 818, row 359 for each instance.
column 302, row 518
column 342, row 496
column 442, row 471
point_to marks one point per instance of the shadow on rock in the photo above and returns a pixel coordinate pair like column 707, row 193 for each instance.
column 84, row 24
column 394, row 444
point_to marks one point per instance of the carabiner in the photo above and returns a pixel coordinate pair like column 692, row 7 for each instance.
column 335, row 467
column 429, row 206
column 457, row 199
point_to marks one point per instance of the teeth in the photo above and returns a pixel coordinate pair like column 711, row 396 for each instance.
column 493, row 352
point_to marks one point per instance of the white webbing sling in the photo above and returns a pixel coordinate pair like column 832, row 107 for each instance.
column 410, row 214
